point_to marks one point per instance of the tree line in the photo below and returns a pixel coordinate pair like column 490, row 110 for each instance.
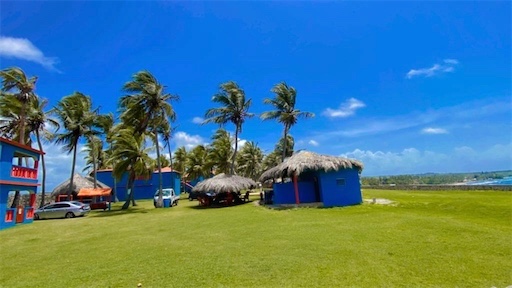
column 434, row 179
column 124, row 141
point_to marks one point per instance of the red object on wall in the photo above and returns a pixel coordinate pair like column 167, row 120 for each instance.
column 19, row 214
column 9, row 215
column 23, row 172
column 32, row 200
column 30, row 213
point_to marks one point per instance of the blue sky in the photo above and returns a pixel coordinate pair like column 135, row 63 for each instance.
column 405, row 87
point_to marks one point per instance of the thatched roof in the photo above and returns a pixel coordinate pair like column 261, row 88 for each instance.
column 309, row 161
column 79, row 182
column 224, row 183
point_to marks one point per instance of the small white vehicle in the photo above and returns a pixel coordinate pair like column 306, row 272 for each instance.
column 168, row 196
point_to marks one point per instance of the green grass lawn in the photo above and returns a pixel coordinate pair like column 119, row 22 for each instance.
column 442, row 239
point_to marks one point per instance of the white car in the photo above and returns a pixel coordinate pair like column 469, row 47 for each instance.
column 66, row 209
column 169, row 195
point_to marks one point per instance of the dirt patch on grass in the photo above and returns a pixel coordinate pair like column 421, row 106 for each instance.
column 380, row 201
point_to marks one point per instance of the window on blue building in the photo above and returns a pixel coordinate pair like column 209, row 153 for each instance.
column 340, row 181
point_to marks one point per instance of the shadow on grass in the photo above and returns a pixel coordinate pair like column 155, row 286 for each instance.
column 217, row 206
column 119, row 211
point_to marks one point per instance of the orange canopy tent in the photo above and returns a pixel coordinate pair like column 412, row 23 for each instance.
column 98, row 192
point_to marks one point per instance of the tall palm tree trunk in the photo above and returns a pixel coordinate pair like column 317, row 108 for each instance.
column 285, row 140
column 114, row 191
column 72, row 170
column 16, row 199
column 170, row 153
column 43, row 164
column 236, row 149
column 130, row 197
column 95, row 175
column 22, row 124
column 160, row 178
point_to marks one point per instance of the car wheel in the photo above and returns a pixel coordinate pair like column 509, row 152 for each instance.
column 70, row 215
column 36, row 216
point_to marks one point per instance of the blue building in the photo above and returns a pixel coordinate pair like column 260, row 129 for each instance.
column 332, row 181
column 18, row 172
column 143, row 189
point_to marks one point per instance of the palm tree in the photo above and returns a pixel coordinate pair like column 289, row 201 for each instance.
column 14, row 80
column 285, row 112
column 221, row 152
column 37, row 121
column 164, row 161
column 75, row 114
column 166, row 130
column 271, row 160
column 106, row 123
column 133, row 157
column 197, row 163
column 147, row 106
column 285, row 146
column 234, row 109
column 180, row 161
column 250, row 160
column 95, row 155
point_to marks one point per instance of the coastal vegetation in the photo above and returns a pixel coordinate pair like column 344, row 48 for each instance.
column 145, row 115
column 435, row 178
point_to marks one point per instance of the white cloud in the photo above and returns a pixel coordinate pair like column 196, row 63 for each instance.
column 187, row 140
column 414, row 161
column 431, row 130
column 197, row 120
column 448, row 65
column 453, row 114
column 313, row 143
column 346, row 109
column 241, row 143
column 451, row 61
column 22, row 48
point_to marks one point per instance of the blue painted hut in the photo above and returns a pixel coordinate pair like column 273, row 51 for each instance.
column 333, row 181
column 143, row 189
column 18, row 172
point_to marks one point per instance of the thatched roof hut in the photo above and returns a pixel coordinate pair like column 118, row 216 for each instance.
column 309, row 161
column 224, row 183
column 79, row 182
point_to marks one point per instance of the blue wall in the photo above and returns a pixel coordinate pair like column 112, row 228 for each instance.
column 6, row 156
column 143, row 189
column 284, row 193
column 340, row 195
column 330, row 193
column 7, row 151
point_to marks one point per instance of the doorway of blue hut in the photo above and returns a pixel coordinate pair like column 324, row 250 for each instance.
column 317, row 189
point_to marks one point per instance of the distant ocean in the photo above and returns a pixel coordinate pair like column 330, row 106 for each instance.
column 504, row 181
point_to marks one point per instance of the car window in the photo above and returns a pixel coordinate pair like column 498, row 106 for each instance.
column 165, row 192
column 61, row 205
column 49, row 206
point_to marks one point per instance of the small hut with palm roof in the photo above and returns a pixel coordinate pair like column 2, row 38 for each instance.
column 224, row 183
column 79, row 182
column 334, row 181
